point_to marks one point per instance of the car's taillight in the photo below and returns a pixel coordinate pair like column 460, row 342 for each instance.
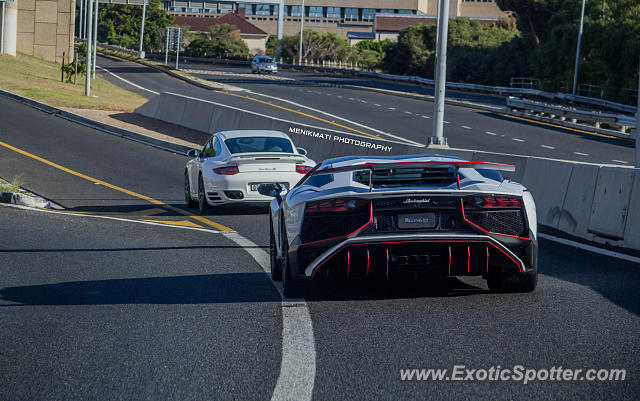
column 494, row 201
column 302, row 169
column 334, row 205
column 229, row 170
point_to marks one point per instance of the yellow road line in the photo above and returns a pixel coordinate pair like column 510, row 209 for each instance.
column 301, row 113
column 117, row 188
column 183, row 223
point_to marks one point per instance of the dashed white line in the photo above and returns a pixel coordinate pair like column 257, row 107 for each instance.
column 340, row 96
column 490, row 133
column 377, row 105
column 518, row 139
column 351, row 98
column 408, row 112
column 547, row 147
column 426, row 117
column 466, row 127
column 363, row 101
column 445, row 121
column 580, row 154
column 619, row 161
column 392, row 108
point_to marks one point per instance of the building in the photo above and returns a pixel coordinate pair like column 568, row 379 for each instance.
column 41, row 28
column 336, row 16
column 254, row 37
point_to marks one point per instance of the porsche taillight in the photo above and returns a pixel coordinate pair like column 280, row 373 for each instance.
column 229, row 170
column 302, row 169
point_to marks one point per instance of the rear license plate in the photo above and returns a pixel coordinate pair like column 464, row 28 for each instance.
column 254, row 187
column 422, row 220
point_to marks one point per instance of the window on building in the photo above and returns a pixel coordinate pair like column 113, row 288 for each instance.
column 333, row 12
column 263, row 9
column 211, row 10
column 193, row 10
column 315, row 11
column 275, row 10
column 387, row 11
column 178, row 9
column 351, row 14
column 405, row 12
column 294, row 11
column 248, row 8
column 368, row 14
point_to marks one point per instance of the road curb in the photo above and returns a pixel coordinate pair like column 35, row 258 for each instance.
column 24, row 200
column 104, row 127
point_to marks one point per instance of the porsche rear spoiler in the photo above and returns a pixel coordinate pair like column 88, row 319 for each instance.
column 266, row 157
column 420, row 164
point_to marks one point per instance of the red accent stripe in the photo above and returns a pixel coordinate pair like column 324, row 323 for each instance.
column 468, row 258
column 367, row 262
column 482, row 229
column 449, row 260
column 387, row 262
column 487, row 248
column 348, row 262
column 348, row 235
column 458, row 178
column 414, row 242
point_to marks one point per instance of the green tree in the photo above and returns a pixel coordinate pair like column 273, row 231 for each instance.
column 119, row 24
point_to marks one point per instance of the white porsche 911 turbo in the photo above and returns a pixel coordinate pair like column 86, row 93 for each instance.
column 232, row 164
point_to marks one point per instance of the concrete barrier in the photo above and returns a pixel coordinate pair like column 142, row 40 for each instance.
column 632, row 230
column 547, row 180
column 573, row 217
column 611, row 202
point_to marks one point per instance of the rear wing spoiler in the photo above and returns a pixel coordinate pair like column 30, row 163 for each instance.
column 420, row 164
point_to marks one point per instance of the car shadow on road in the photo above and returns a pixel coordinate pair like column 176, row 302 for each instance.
column 196, row 289
column 393, row 289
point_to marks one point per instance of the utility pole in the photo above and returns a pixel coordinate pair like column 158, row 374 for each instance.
column 81, row 19
column 166, row 42
column 437, row 138
column 2, row 31
column 575, row 72
column 301, row 30
column 87, row 78
column 637, row 163
column 95, row 39
column 144, row 10
column 280, row 30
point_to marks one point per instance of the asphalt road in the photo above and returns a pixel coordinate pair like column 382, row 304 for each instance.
column 411, row 119
column 92, row 308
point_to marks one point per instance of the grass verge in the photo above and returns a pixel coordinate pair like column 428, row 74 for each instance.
column 13, row 186
column 40, row 80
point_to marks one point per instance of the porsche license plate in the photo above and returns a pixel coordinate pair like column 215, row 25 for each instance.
column 254, row 187
column 422, row 220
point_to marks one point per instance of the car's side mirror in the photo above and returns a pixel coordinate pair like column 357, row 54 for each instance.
column 302, row 151
column 193, row 153
column 270, row 189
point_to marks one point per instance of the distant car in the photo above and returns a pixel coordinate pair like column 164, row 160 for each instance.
column 261, row 64
column 232, row 164
column 382, row 217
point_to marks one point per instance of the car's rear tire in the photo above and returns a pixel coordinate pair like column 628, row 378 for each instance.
column 276, row 269
column 509, row 282
column 187, row 192
column 203, row 205
column 291, row 287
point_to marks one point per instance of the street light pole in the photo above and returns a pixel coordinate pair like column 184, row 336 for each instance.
column 144, row 10
column 280, row 30
column 301, row 30
column 437, row 138
column 87, row 78
column 95, row 39
column 575, row 72
column 637, row 163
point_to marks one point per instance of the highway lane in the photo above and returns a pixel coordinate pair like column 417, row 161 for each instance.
column 96, row 309
column 583, row 315
column 410, row 118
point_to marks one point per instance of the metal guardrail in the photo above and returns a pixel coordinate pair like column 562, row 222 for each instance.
column 622, row 122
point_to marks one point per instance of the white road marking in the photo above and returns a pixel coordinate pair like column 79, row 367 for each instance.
column 590, row 248
column 445, row 121
column 127, row 81
column 580, row 154
column 426, row 117
column 547, row 147
column 490, row 133
column 340, row 96
column 518, row 139
column 351, row 98
column 466, row 127
column 392, row 108
column 298, row 365
column 363, row 101
column 619, row 161
column 408, row 112
column 377, row 105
